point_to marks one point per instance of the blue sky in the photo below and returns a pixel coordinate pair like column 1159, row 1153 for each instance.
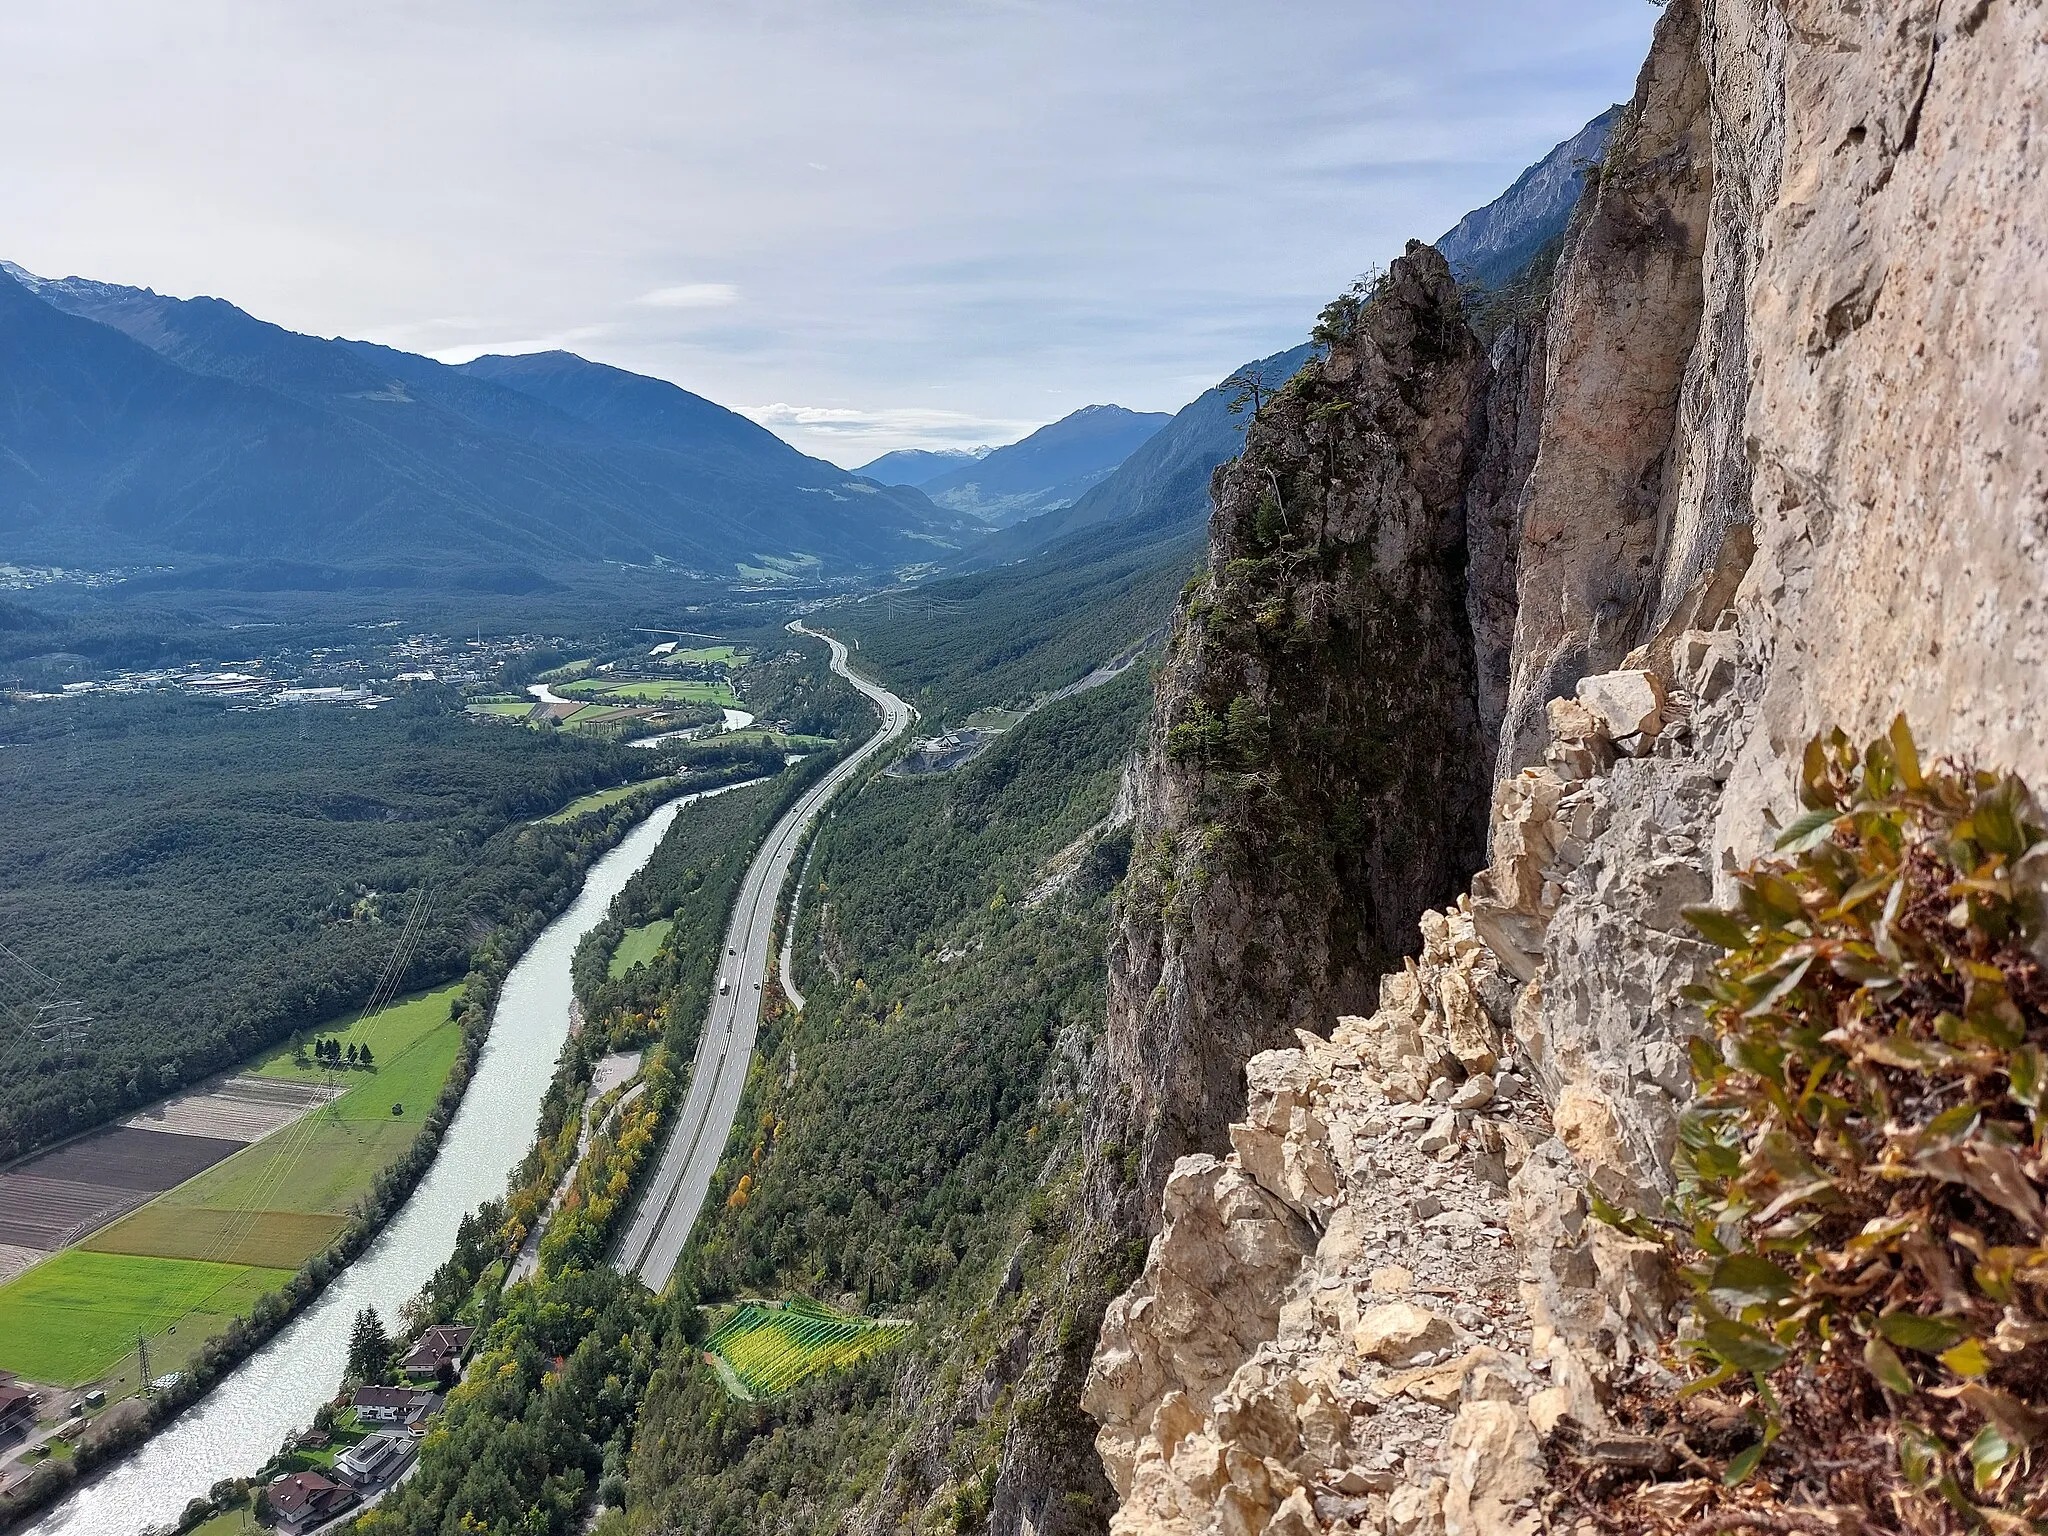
column 869, row 223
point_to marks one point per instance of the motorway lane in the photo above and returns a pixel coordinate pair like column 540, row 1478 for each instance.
column 667, row 1211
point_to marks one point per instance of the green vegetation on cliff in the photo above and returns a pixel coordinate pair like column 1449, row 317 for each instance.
column 1862, row 1194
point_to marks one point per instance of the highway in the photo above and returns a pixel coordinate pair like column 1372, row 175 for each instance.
column 669, row 1206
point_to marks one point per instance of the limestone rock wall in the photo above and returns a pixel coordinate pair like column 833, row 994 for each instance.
column 1789, row 471
column 1895, row 417
column 1624, row 316
column 1316, row 773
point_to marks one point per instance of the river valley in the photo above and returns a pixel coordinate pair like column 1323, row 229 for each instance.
column 278, row 1388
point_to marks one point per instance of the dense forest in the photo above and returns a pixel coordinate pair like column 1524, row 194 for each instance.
column 1009, row 636
column 207, row 880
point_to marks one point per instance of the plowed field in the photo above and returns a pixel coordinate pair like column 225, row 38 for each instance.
column 53, row 1199
column 266, row 1239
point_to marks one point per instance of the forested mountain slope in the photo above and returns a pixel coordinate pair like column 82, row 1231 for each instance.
column 142, row 428
column 1051, row 468
column 912, row 1146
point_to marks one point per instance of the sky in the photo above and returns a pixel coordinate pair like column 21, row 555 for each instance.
column 868, row 224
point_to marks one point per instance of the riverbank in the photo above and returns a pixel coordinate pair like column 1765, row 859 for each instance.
column 575, row 1346
column 275, row 1367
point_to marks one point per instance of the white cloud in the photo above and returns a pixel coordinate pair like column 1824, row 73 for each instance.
column 1024, row 203
column 851, row 437
column 691, row 296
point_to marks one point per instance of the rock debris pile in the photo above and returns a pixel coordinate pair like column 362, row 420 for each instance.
column 1369, row 1315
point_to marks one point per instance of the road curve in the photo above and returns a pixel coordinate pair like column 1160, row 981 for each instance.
column 796, row 998
column 668, row 1208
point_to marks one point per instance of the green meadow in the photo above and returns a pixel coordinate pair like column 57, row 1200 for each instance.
column 603, row 799
column 71, row 1318
column 389, row 1035
column 666, row 690
column 639, row 945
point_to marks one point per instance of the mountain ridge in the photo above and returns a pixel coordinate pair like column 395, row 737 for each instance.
column 1051, row 468
column 356, row 454
column 914, row 466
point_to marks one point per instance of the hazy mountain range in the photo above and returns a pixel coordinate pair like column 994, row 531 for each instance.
column 1051, row 468
column 139, row 429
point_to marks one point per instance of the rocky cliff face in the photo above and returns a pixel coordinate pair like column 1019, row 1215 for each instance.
column 1788, row 470
column 1315, row 773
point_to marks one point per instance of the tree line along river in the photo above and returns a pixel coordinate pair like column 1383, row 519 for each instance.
column 279, row 1387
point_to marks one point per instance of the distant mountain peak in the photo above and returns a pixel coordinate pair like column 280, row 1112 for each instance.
column 914, row 466
column 1051, row 468
column 1491, row 244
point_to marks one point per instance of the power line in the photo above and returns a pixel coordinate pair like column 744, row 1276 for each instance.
column 59, row 1021
column 63, row 1023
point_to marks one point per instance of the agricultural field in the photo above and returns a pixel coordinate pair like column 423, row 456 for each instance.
column 603, row 799
column 50, row 1200
column 662, row 690
column 237, row 1109
column 325, row 1162
column 639, row 945
column 703, row 656
column 71, row 1319
column 266, row 1239
column 203, row 1251
column 763, row 1349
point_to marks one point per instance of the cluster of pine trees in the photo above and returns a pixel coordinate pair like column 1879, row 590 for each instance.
column 329, row 1051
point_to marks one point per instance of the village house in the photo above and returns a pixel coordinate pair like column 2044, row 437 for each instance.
column 440, row 1345
column 410, row 1406
column 304, row 1500
column 377, row 1460
column 17, row 1410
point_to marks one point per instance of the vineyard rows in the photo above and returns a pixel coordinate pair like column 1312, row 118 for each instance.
column 767, row 1349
